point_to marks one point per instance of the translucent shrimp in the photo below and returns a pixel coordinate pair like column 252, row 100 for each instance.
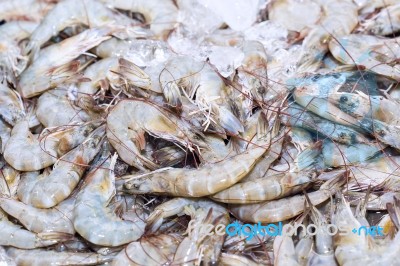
column 40, row 257
column 386, row 22
column 340, row 18
column 207, row 180
column 72, row 12
column 139, row 117
column 12, row 62
column 55, row 109
column 47, row 191
column 266, row 188
column 284, row 209
column 11, row 106
column 57, row 219
column 13, row 235
column 161, row 15
column 93, row 220
column 31, row 10
column 150, row 250
column 200, row 80
column 24, row 152
column 54, row 64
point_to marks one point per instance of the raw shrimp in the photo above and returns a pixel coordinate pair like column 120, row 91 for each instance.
column 93, row 220
column 12, row 62
column 11, row 106
column 199, row 80
column 13, row 235
column 207, row 180
column 47, row 191
column 31, row 10
column 371, row 52
column 385, row 133
column 150, row 250
column 284, row 209
column 266, row 188
column 54, row 64
column 55, row 109
column 57, row 219
column 139, row 117
column 41, row 257
column 161, row 15
column 23, row 150
column 386, row 22
column 88, row 12
column 340, row 18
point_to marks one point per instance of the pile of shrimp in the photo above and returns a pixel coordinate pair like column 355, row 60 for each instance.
column 124, row 124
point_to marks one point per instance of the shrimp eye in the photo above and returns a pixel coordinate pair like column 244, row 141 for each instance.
column 343, row 99
column 381, row 133
column 342, row 135
column 136, row 186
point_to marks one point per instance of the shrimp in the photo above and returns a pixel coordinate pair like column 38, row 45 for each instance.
column 112, row 72
column 23, row 151
column 199, row 80
column 54, row 64
column 374, row 53
column 296, row 116
column 88, row 12
column 40, row 257
column 13, row 235
column 385, row 133
column 386, row 22
column 206, row 212
column 55, row 109
column 57, row 219
column 339, row 20
column 31, row 10
column 266, row 188
column 47, row 191
column 160, row 15
column 12, row 62
column 150, row 250
column 207, row 180
column 11, row 106
column 127, row 135
column 284, row 209
column 93, row 220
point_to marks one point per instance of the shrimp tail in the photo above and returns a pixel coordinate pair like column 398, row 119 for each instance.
column 132, row 74
column 172, row 94
column 154, row 221
column 309, row 157
column 68, row 73
column 57, row 236
column 229, row 121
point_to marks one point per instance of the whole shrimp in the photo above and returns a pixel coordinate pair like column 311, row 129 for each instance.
column 207, row 180
column 24, row 152
column 12, row 62
column 149, row 250
column 340, row 18
column 198, row 79
column 161, row 15
column 138, row 117
column 40, row 257
column 93, row 220
column 13, row 235
column 47, row 191
column 54, row 64
column 57, row 219
column 91, row 13
column 284, row 209
column 55, row 109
